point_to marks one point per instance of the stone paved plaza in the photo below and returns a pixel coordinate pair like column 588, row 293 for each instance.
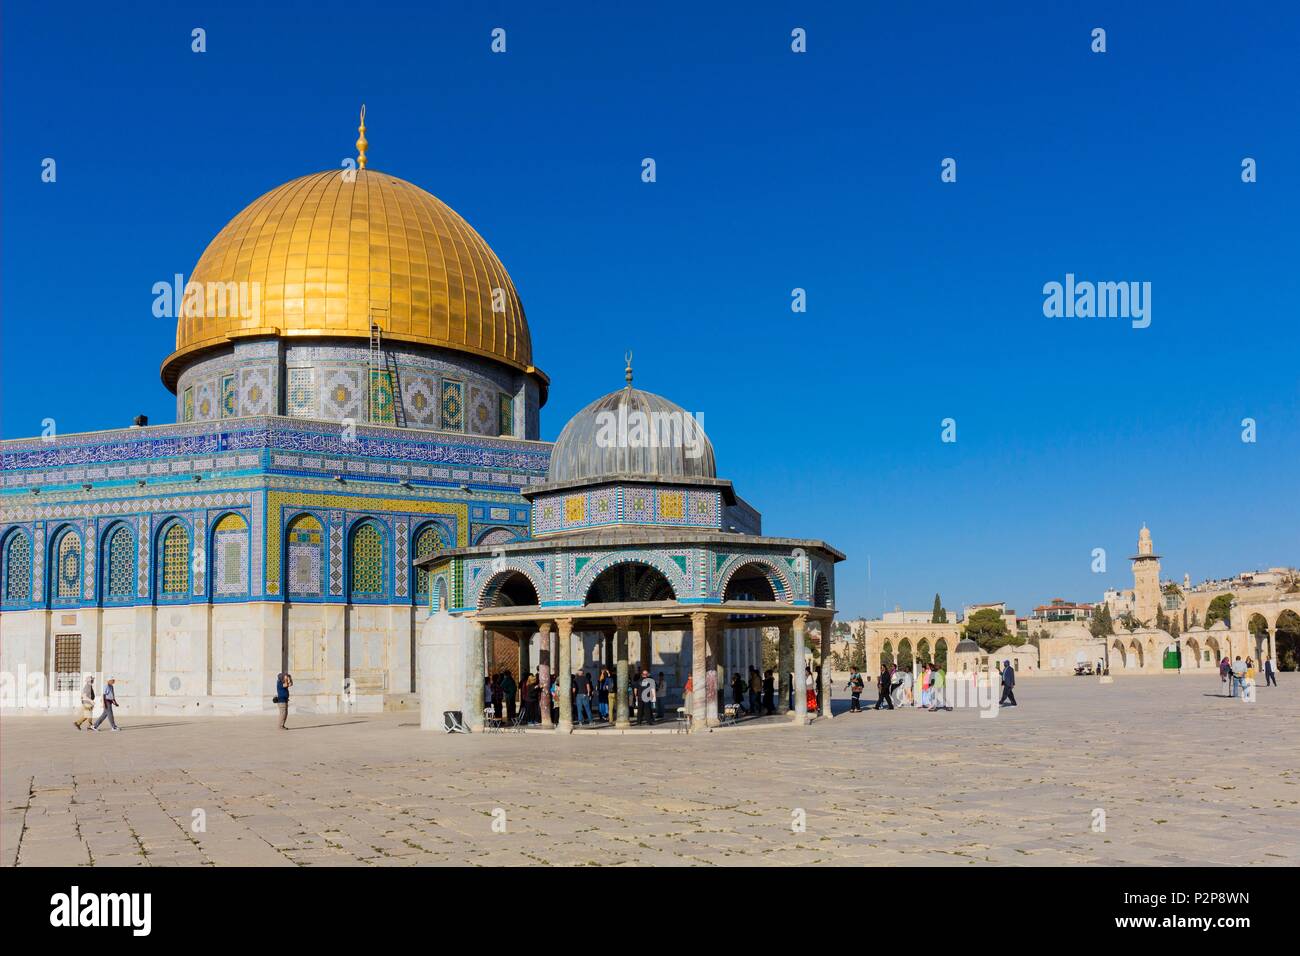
column 1184, row 777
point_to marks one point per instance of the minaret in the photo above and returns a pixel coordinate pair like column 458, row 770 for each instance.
column 1146, row 579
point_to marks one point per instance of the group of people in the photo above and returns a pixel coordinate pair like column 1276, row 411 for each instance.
column 593, row 699
column 897, row 687
column 756, row 694
column 1240, row 675
column 108, row 701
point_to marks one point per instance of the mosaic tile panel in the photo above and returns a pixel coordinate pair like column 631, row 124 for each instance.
column 367, row 561
column 176, row 561
column 205, row 401
column 505, row 414
column 341, row 395
column 69, row 567
column 198, row 558
column 483, row 413
column 302, row 393
column 306, row 549
column 255, row 392
column 18, row 569
column 38, row 565
column 143, row 534
column 418, row 401
column 336, row 553
column 452, row 405
column 229, row 400
column 187, row 405
column 230, row 556
column 121, row 563
column 381, row 398
column 400, row 561
column 427, row 542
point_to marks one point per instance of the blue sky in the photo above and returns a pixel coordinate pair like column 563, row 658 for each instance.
column 775, row 171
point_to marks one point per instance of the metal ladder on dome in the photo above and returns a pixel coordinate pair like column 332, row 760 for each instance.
column 378, row 365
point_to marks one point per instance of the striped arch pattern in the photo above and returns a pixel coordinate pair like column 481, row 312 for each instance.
column 489, row 580
column 778, row 575
column 679, row 582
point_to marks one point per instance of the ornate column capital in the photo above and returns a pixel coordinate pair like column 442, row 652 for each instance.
column 544, row 628
column 564, row 626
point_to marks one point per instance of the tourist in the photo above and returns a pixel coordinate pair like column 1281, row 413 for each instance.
column 282, row 684
column 755, row 689
column 688, row 695
column 810, row 689
column 1008, row 697
column 498, row 698
column 938, row 681
column 661, row 694
column 925, row 685
column 647, row 695
column 1248, row 681
column 854, row 687
column 87, row 704
column 1224, row 669
column 737, row 689
column 110, row 701
column 883, row 689
column 769, row 691
column 583, row 691
column 1238, row 674
column 602, row 698
column 508, row 688
column 1270, row 678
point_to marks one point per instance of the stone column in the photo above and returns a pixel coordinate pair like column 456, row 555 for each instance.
column 608, row 657
column 474, row 670
column 564, row 629
column 828, row 683
column 699, row 678
column 800, row 687
column 712, row 660
column 785, row 663
column 544, row 669
column 620, row 656
column 525, row 665
column 647, row 652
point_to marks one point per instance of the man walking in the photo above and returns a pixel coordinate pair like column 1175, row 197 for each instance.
column 855, row 687
column 283, row 681
column 109, row 701
column 755, row 689
column 1270, row 679
column 883, row 689
column 1008, row 698
column 87, row 704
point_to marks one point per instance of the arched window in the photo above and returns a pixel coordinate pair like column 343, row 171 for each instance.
column 306, row 557
column 175, row 575
column 367, row 561
column 119, row 576
column 230, row 556
column 427, row 542
column 18, row 569
column 67, row 568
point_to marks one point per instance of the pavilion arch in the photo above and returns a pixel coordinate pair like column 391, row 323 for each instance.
column 677, row 579
column 906, row 655
column 629, row 581
column 924, row 654
column 941, row 656
column 886, row 653
column 778, row 577
column 821, row 590
column 750, row 581
column 510, row 587
column 1118, row 647
column 1193, row 647
column 118, row 562
column 1136, row 654
column 439, row 593
column 1286, row 640
column 1212, row 645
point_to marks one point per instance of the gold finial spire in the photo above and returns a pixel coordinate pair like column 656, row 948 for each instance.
column 361, row 140
column 627, row 373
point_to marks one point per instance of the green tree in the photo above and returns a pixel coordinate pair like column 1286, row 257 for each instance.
column 939, row 615
column 1129, row 621
column 858, row 657
column 987, row 629
column 1218, row 610
column 1102, row 625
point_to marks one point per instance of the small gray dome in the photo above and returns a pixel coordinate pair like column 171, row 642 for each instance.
column 631, row 433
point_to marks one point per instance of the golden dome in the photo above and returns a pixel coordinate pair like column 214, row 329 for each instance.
column 333, row 250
